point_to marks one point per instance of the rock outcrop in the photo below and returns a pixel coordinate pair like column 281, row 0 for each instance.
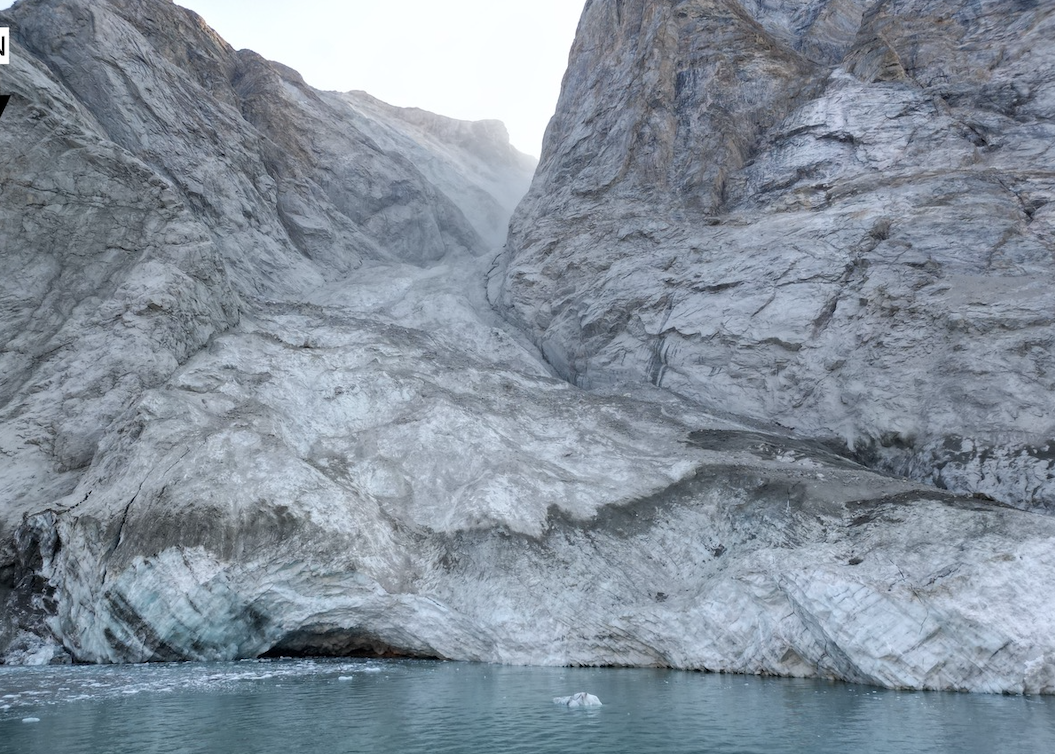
column 154, row 181
column 155, row 185
column 833, row 216
column 260, row 403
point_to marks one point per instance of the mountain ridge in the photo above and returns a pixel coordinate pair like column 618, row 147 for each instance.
column 263, row 406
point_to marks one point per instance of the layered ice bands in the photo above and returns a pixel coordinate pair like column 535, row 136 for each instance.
column 256, row 400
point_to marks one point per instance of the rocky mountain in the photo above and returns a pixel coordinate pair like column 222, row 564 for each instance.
column 158, row 187
column 829, row 215
column 255, row 399
column 185, row 190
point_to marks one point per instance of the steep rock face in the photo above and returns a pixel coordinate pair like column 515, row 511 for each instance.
column 831, row 216
column 111, row 281
column 239, row 136
column 263, row 406
column 154, row 183
column 326, row 482
column 472, row 162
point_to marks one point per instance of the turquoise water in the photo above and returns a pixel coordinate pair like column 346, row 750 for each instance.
column 323, row 706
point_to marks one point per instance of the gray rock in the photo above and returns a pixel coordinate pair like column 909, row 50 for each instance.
column 262, row 405
column 154, row 184
column 164, row 188
column 324, row 482
column 831, row 216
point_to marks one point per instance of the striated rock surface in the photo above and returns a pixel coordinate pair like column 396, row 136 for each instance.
column 833, row 216
column 471, row 162
column 147, row 195
column 259, row 402
column 154, row 184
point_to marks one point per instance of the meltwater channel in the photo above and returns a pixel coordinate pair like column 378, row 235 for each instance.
column 324, row 706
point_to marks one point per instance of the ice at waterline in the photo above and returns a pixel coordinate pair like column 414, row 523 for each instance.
column 581, row 699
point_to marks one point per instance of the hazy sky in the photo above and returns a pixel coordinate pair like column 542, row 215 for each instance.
column 469, row 59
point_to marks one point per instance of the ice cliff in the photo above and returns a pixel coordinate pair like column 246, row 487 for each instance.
column 256, row 398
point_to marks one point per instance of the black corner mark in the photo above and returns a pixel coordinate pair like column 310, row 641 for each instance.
column 3, row 102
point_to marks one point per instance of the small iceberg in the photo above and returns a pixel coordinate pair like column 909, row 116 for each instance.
column 31, row 719
column 582, row 699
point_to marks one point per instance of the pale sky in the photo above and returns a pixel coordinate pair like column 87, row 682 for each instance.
column 468, row 59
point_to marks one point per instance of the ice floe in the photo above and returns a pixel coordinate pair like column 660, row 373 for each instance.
column 582, row 699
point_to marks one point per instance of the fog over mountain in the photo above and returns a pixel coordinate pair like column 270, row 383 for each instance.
column 760, row 380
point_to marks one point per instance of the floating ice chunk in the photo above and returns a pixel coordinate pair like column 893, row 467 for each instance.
column 31, row 719
column 582, row 699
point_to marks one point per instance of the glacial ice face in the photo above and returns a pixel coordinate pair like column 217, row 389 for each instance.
column 263, row 406
column 831, row 216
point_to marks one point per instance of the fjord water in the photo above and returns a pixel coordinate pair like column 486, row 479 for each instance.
column 344, row 706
